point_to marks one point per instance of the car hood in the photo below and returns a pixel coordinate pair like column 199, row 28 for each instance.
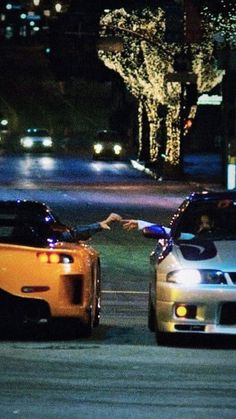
column 207, row 254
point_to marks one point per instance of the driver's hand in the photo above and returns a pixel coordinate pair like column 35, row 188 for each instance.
column 105, row 224
column 130, row 224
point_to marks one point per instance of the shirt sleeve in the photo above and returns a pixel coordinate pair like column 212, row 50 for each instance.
column 84, row 232
column 142, row 224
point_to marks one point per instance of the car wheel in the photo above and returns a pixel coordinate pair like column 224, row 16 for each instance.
column 85, row 328
column 165, row 338
column 97, row 313
column 151, row 315
column 97, row 309
column 162, row 338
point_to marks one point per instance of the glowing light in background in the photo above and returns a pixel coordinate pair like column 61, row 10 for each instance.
column 58, row 7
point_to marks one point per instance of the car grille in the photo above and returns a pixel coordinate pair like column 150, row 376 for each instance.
column 228, row 314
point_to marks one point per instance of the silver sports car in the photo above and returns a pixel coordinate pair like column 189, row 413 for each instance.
column 193, row 288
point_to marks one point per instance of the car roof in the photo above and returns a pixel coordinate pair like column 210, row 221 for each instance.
column 212, row 195
column 23, row 203
column 27, row 209
column 36, row 129
column 107, row 131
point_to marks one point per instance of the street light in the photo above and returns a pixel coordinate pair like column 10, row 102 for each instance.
column 4, row 122
column 58, row 7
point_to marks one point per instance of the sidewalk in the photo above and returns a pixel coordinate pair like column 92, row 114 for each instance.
column 201, row 171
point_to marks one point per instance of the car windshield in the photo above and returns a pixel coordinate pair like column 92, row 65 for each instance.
column 37, row 133
column 34, row 234
column 26, row 213
column 15, row 232
column 210, row 220
column 25, row 223
column 107, row 136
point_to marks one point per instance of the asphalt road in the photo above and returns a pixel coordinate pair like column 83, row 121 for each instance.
column 119, row 372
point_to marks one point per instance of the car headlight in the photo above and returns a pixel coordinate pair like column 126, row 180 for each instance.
column 117, row 149
column 98, row 148
column 26, row 142
column 190, row 277
column 47, row 142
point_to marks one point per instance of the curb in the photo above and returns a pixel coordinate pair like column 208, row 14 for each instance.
column 198, row 185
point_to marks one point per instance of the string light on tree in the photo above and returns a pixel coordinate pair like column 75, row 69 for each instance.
column 144, row 63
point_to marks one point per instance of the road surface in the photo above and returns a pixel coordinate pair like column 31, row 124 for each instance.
column 119, row 372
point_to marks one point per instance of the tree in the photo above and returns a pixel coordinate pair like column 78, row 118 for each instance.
column 158, row 73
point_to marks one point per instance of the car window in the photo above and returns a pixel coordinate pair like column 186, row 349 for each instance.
column 38, row 133
column 222, row 213
column 13, row 232
column 6, row 232
column 107, row 136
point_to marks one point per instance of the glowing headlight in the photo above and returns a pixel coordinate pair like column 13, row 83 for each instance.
column 190, row 277
column 26, row 142
column 47, row 142
column 117, row 149
column 98, row 148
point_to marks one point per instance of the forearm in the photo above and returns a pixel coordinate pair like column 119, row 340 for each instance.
column 142, row 224
column 84, row 232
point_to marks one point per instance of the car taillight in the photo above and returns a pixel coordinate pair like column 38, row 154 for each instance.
column 52, row 257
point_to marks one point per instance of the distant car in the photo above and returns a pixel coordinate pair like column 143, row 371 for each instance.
column 42, row 277
column 108, row 146
column 193, row 287
column 36, row 139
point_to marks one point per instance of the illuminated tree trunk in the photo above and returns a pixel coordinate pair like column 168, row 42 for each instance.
column 173, row 131
column 150, row 68
column 143, row 132
column 140, row 128
column 154, row 125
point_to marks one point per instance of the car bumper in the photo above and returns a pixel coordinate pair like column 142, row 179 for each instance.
column 107, row 156
column 37, row 147
column 40, row 307
column 42, row 290
column 208, row 309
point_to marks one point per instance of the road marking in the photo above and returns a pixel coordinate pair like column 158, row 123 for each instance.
column 124, row 292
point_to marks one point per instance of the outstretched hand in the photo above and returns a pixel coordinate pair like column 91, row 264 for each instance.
column 130, row 224
column 105, row 224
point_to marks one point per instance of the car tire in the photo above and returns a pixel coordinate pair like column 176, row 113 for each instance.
column 162, row 338
column 97, row 313
column 85, row 328
column 165, row 338
column 151, row 315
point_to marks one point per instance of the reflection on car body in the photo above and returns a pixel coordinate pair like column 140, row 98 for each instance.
column 108, row 146
column 193, row 289
column 42, row 277
column 36, row 139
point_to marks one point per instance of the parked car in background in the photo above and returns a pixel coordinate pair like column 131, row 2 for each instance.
column 193, row 286
column 36, row 139
column 108, row 146
column 44, row 277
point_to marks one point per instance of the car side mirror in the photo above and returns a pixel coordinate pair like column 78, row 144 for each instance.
column 155, row 232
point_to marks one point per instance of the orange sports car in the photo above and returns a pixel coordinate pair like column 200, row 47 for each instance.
column 44, row 273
